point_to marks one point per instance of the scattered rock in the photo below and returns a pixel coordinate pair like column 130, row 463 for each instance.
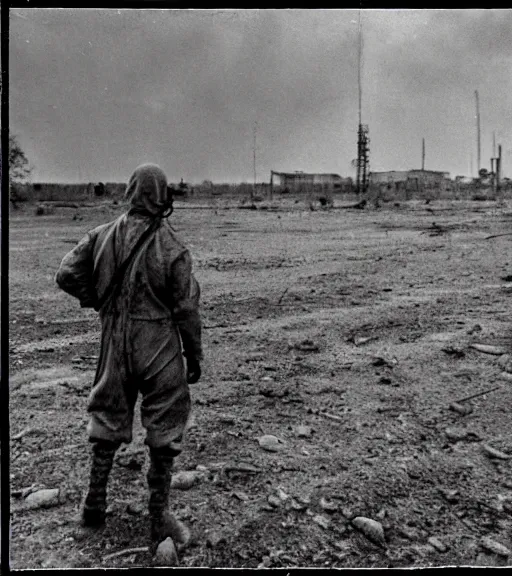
column 360, row 340
column 166, row 554
column 227, row 419
column 295, row 505
column 266, row 562
column 274, row 501
column 44, row 498
column 184, row 480
column 282, row 495
column 303, row 431
column 271, row 443
column 409, row 533
column 328, row 505
column 489, row 349
column 456, row 434
column 241, row 496
column 506, row 376
column 453, row 351
column 463, row 409
column 437, row 544
column 215, row 538
column 273, row 391
column 321, row 520
column 379, row 361
column 372, row 529
column 504, row 360
column 493, row 546
column 450, row 495
column 135, row 509
column 306, row 346
column 348, row 513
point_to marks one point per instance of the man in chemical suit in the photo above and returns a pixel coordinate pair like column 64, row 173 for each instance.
column 138, row 276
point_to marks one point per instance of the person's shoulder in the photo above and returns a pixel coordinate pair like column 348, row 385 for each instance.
column 102, row 228
column 173, row 238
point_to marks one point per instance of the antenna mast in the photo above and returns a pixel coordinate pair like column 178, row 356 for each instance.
column 363, row 140
column 254, row 159
column 478, row 131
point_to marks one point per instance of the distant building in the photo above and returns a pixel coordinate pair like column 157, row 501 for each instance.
column 299, row 181
column 412, row 179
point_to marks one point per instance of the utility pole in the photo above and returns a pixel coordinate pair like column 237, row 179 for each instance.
column 498, row 169
column 478, row 132
column 254, row 160
column 423, row 154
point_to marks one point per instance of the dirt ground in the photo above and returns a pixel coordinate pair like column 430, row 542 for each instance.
column 347, row 334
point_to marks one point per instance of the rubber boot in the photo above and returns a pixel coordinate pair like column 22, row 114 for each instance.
column 163, row 523
column 94, row 511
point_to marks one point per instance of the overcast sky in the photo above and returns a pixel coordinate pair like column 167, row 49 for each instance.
column 94, row 93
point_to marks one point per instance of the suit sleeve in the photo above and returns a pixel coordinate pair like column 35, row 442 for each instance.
column 185, row 293
column 74, row 275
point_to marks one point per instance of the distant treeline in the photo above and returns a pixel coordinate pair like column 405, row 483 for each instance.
column 47, row 192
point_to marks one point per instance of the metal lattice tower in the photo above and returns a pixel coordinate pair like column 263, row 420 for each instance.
column 363, row 158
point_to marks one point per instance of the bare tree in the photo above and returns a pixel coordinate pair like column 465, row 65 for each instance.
column 19, row 168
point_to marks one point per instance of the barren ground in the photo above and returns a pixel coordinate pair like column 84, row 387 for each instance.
column 390, row 310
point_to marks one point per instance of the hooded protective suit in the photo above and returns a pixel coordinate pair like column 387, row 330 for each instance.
column 146, row 323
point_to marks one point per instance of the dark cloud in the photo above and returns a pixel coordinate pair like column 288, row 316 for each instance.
column 96, row 92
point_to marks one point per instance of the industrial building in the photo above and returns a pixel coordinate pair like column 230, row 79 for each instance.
column 301, row 181
column 412, row 180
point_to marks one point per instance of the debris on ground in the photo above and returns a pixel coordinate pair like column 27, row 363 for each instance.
column 185, row 479
column 214, row 538
column 494, row 453
column 370, row 528
column 303, row 431
column 437, row 544
column 453, row 351
column 402, row 457
column 328, row 505
column 306, row 346
column 45, row 498
column 271, row 443
column 463, row 409
column 489, row 349
column 490, row 544
column 321, row 520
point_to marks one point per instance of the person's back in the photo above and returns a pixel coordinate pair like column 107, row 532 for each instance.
column 138, row 275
